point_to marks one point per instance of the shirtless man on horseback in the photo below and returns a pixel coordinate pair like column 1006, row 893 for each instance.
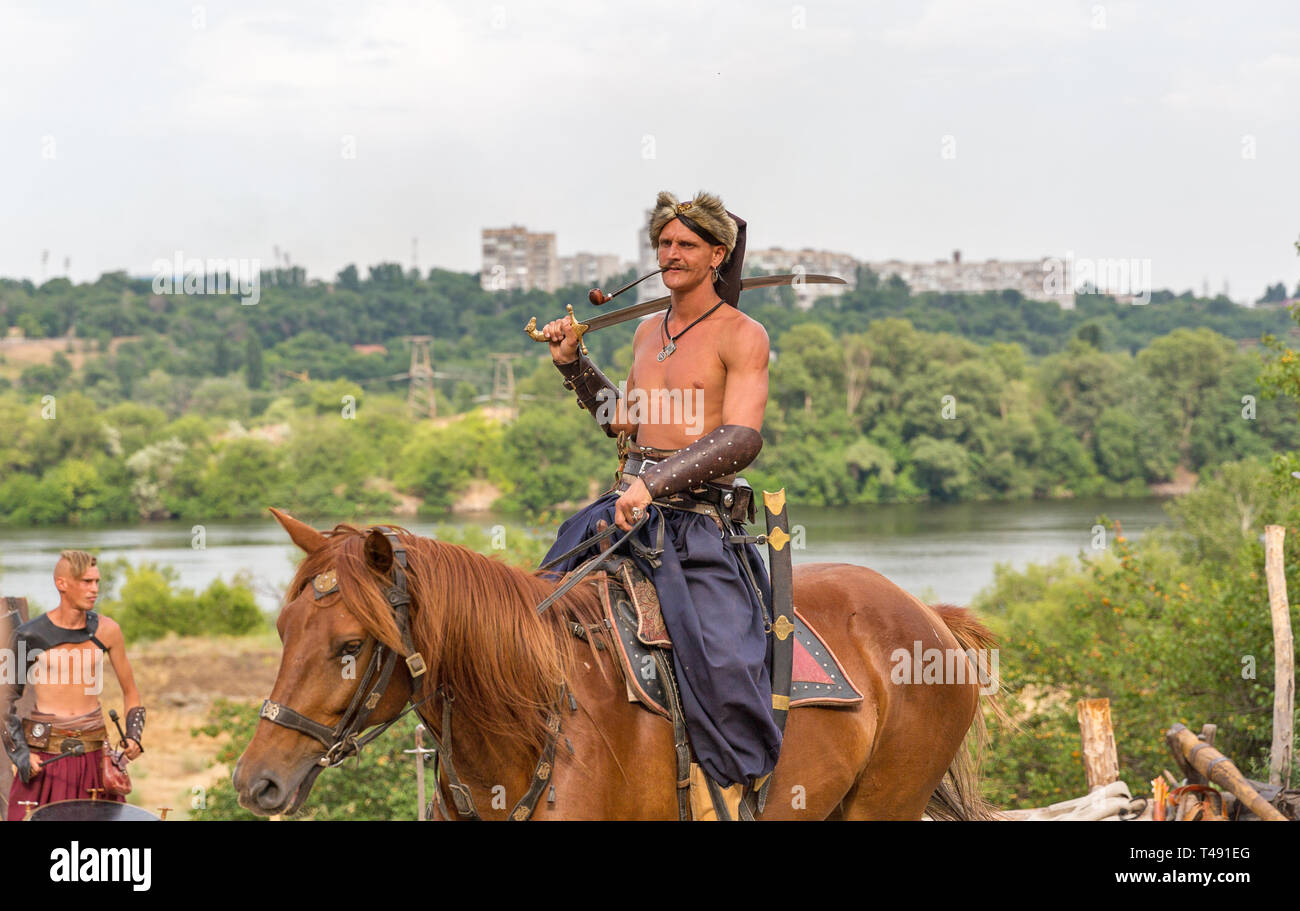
column 889, row 751
column 702, row 351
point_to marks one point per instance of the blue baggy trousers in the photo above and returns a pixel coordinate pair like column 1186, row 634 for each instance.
column 715, row 619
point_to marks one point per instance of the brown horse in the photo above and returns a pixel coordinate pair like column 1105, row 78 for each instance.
column 900, row 753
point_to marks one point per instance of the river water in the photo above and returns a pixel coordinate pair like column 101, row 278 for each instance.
column 940, row 552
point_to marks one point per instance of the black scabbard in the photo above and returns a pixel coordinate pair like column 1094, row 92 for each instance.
column 781, row 572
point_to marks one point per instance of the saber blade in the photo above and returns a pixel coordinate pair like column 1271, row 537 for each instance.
column 661, row 303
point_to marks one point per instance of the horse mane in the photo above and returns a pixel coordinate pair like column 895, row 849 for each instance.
column 474, row 620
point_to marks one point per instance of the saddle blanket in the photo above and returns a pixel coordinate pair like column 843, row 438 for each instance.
column 632, row 611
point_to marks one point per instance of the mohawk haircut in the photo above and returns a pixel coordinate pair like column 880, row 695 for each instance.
column 74, row 563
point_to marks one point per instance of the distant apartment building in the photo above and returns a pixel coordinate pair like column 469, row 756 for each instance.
column 771, row 260
column 806, row 262
column 1042, row 279
column 516, row 260
column 647, row 260
column 591, row 270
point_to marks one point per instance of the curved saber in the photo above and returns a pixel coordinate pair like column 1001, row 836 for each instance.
column 661, row 303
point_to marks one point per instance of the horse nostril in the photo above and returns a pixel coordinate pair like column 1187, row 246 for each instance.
column 267, row 792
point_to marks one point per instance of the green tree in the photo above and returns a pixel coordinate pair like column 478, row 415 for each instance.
column 942, row 467
column 348, row 280
column 1179, row 370
column 254, row 372
column 1081, row 383
column 809, row 368
column 553, row 458
column 1115, row 444
column 242, row 480
column 438, row 463
column 222, row 396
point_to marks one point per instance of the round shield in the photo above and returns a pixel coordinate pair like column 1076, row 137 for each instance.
column 91, row 811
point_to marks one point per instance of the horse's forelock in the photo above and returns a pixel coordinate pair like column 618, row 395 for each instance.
column 363, row 591
column 361, row 587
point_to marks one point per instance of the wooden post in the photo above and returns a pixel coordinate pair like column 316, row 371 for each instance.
column 419, row 770
column 420, row 752
column 1100, row 763
column 1220, row 770
column 1280, row 758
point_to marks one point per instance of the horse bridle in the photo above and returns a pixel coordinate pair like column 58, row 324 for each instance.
column 342, row 740
column 345, row 739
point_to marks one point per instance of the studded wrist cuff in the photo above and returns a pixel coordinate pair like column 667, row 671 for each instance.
column 593, row 389
column 135, row 724
column 719, row 452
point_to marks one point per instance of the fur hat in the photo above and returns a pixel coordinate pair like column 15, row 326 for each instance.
column 705, row 216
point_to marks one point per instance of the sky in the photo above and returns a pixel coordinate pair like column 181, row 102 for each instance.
column 338, row 133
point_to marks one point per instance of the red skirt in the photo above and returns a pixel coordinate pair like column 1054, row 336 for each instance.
column 67, row 779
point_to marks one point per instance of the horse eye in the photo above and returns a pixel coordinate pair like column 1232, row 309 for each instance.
column 351, row 648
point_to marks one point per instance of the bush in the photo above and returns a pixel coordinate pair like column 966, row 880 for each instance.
column 437, row 463
column 379, row 784
column 1173, row 629
column 511, row 544
column 229, row 610
column 150, row 606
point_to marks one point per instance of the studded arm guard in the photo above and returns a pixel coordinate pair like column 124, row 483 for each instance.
column 15, row 743
column 135, row 725
column 719, row 452
column 595, row 391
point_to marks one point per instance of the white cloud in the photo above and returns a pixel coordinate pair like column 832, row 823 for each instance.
column 993, row 26
column 228, row 137
column 1267, row 90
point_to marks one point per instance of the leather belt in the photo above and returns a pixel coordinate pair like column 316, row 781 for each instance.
column 47, row 738
column 734, row 500
column 636, row 464
column 67, row 743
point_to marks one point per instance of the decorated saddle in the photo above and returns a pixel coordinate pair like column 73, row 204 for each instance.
column 632, row 611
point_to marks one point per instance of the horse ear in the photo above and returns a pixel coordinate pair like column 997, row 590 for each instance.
column 302, row 534
column 379, row 551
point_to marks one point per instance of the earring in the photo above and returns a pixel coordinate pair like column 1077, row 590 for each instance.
column 716, row 277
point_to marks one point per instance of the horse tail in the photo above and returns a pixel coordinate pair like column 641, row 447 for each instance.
column 958, row 796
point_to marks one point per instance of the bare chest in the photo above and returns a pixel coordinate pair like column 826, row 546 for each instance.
column 691, row 362
column 68, row 666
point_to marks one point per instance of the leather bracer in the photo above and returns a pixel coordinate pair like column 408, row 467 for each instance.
column 594, row 390
column 135, row 725
column 718, row 453
column 15, row 744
